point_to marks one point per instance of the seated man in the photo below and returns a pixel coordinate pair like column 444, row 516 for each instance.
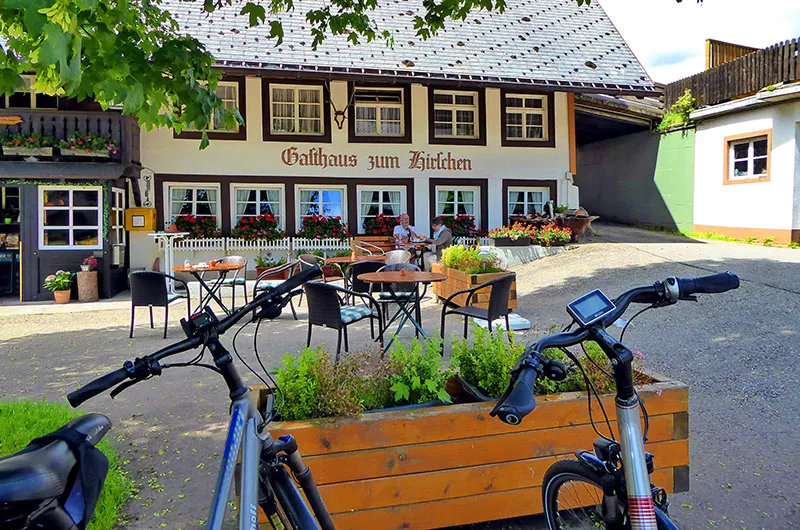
column 442, row 238
column 404, row 231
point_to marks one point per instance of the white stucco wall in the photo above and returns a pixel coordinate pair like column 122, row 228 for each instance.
column 257, row 161
column 758, row 205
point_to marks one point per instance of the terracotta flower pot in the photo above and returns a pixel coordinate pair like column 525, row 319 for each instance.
column 62, row 297
column 173, row 229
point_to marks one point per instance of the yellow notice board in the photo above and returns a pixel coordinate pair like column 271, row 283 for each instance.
column 140, row 219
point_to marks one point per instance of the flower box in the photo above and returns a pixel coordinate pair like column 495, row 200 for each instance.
column 452, row 465
column 457, row 281
column 508, row 242
column 27, row 151
column 86, row 153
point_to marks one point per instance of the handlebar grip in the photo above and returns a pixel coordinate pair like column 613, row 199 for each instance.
column 520, row 401
column 97, row 386
column 716, row 283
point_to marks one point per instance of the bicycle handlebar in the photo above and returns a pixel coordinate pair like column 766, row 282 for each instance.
column 141, row 368
column 519, row 400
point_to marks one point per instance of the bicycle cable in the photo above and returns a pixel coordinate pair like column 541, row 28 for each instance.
column 236, row 351
column 193, row 362
column 645, row 415
column 277, row 389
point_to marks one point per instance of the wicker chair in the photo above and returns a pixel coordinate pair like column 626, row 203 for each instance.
column 358, row 268
column 498, row 303
column 402, row 290
column 237, row 280
column 150, row 289
column 327, row 308
column 267, row 280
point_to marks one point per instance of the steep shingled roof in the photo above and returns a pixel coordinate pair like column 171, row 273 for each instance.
column 546, row 43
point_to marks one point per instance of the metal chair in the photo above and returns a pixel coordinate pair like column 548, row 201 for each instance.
column 497, row 307
column 363, row 248
column 402, row 291
column 236, row 280
column 327, row 308
column 267, row 280
column 394, row 257
column 150, row 289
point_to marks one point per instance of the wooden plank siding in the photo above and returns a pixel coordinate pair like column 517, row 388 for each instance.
column 719, row 52
column 779, row 63
column 450, row 465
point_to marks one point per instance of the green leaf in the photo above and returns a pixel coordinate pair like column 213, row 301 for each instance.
column 444, row 396
column 276, row 31
column 203, row 140
column 401, row 391
column 55, row 46
column 256, row 13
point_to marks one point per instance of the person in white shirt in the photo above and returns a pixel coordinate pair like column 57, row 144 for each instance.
column 404, row 231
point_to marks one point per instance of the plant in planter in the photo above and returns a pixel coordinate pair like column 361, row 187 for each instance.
column 380, row 225
column 551, row 235
column 88, row 145
column 485, row 364
column 264, row 263
column 60, row 284
column 515, row 235
column 320, row 227
column 197, row 226
column 33, row 144
column 421, row 376
column 468, row 267
column 470, row 260
column 89, row 264
column 261, row 227
column 461, row 225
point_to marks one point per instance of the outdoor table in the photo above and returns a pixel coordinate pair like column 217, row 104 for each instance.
column 408, row 277
column 211, row 291
column 349, row 260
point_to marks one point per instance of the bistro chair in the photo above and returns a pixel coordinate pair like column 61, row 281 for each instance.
column 237, row 280
column 358, row 268
column 394, row 257
column 403, row 291
column 269, row 280
column 498, row 303
column 150, row 289
column 327, row 308
column 309, row 260
column 363, row 248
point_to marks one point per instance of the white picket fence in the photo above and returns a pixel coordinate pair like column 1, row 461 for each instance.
column 472, row 241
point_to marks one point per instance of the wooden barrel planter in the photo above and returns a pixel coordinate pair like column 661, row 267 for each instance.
column 451, row 465
column 457, row 280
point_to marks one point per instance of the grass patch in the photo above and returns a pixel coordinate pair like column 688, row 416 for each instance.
column 22, row 421
column 713, row 236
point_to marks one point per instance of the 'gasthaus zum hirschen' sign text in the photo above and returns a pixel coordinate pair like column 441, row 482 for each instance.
column 417, row 160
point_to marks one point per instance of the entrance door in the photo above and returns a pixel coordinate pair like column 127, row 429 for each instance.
column 118, row 236
column 9, row 240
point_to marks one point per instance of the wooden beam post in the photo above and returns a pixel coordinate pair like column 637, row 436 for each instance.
column 573, row 148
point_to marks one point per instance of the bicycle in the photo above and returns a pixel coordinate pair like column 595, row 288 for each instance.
column 608, row 487
column 40, row 478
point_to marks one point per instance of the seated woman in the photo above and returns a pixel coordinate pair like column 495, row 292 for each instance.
column 442, row 238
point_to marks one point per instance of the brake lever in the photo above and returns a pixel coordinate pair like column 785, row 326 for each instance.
column 124, row 386
column 143, row 369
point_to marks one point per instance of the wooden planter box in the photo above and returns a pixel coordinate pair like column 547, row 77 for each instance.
column 508, row 242
column 434, row 467
column 457, row 280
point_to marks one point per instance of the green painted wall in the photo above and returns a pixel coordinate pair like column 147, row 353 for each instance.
column 642, row 178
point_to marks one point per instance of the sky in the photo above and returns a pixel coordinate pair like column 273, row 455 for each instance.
column 669, row 37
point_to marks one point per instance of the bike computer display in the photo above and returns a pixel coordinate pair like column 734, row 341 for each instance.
column 590, row 308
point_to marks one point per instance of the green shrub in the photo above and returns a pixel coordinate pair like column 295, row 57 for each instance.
column 420, row 375
column 470, row 260
column 679, row 112
column 486, row 363
column 22, row 421
column 768, row 241
column 794, row 244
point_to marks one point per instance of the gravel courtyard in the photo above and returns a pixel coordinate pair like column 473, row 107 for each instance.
column 737, row 352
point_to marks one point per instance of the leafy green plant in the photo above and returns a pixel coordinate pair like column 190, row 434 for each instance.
column 21, row 421
column 297, row 378
column 768, row 241
column 269, row 261
column 101, row 145
column 487, row 361
column 561, row 209
column 33, row 140
column 550, row 234
column 470, row 260
column 513, row 232
column 60, row 281
column 751, row 240
column 679, row 112
column 794, row 244
column 421, row 374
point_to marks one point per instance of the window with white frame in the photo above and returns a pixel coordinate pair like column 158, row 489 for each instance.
column 251, row 200
column 526, row 117
column 320, row 200
column 386, row 200
column 201, row 200
column 117, row 232
column 26, row 97
column 458, row 200
column 455, row 114
column 228, row 92
column 527, row 201
column 70, row 217
column 748, row 158
column 379, row 111
column 296, row 109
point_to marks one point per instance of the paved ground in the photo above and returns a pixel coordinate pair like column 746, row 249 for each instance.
column 738, row 353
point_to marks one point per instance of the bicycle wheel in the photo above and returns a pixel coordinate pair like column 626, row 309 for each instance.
column 573, row 497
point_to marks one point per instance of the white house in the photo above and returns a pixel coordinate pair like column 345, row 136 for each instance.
column 478, row 120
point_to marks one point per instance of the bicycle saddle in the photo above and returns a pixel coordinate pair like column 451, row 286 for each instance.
column 38, row 473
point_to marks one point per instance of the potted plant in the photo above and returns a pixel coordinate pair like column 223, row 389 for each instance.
column 198, row 227
column 33, row 144
column 431, row 467
column 87, row 145
column 468, row 267
column 60, row 284
column 380, row 225
column 321, row 227
column 515, row 235
column 89, row 264
column 551, row 235
column 87, row 280
column 265, row 263
column 261, row 227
